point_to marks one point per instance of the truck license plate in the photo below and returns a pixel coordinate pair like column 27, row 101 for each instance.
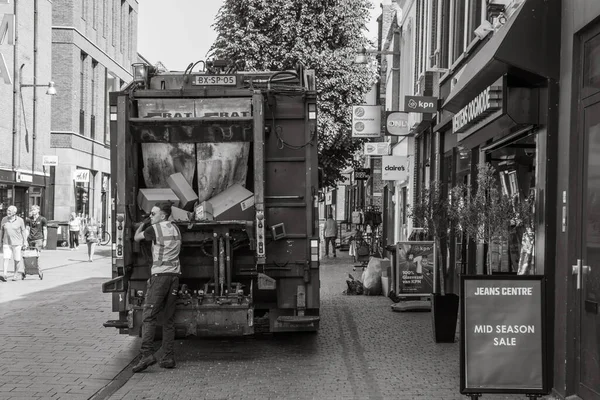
column 206, row 80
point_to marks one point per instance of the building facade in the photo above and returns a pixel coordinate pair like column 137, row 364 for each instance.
column 94, row 43
column 25, row 57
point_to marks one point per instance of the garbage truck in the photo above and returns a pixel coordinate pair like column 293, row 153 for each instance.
column 235, row 153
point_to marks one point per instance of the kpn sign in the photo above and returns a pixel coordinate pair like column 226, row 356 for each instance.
column 420, row 104
column 394, row 168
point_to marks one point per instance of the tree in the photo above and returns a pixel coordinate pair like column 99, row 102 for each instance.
column 324, row 35
column 430, row 212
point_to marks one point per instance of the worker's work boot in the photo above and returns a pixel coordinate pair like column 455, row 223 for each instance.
column 167, row 363
column 144, row 363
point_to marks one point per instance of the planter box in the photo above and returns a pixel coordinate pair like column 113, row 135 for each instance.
column 444, row 317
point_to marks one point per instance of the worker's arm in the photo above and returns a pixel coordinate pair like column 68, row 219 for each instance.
column 24, row 232
column 139, row 233
column 45, row 230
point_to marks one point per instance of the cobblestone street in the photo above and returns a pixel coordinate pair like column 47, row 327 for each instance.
column 56, row 348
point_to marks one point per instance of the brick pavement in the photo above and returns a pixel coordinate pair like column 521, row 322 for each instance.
column 54, row 345
column 363, row 351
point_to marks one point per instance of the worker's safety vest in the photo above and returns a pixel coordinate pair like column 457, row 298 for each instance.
column 165, row 249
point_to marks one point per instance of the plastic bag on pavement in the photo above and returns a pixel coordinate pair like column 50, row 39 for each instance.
column 372, row 275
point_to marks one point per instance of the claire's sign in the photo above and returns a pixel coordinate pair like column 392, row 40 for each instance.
column 394, row 168
column 503, row 334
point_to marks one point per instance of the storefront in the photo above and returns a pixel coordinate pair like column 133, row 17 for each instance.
column 498, row 108
column 21, row 190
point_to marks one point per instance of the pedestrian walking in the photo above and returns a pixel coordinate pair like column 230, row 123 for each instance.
column 91, row 234
column 330, row 235
column 74, row 230
column 37, row 229
column 13, row 236
column 161, row 287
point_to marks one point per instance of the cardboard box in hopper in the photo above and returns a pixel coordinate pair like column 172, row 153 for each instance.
column 203, row 212
column 183, row 190
column 234, row 203
column 177, row 214
column 147, row 198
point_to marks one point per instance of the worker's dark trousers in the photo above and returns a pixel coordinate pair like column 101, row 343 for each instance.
column 161, row 295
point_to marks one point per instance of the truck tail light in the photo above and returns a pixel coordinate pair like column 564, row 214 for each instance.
column 312, row 110
column 113, row 113
column 314, row 250
column 120, row 226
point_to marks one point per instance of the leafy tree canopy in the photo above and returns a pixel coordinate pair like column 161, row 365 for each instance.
column 322, row 34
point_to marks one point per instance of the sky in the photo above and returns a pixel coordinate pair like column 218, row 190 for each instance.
column 179, row 32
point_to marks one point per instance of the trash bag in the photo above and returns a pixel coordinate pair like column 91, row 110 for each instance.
column 355, row 287
column 372, row 276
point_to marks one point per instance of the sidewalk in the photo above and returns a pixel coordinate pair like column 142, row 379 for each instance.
column 54, row 343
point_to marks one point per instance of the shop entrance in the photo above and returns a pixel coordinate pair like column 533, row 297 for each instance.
column 588, row 263
column 587, row 268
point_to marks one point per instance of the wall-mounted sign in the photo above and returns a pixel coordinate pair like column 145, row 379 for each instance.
column 21, row 177
column 415, row 268
column 376, row 149
column 329, row 198
column 396, row 123
column 366, row 121
column 394, row 168
column 502, row 320
column 484, row 104
column 420, row 104
column 81, row 175
column 362, row 174
column 49, row 161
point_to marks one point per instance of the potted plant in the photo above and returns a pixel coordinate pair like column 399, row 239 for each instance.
column 430, row 211
column 486, row 214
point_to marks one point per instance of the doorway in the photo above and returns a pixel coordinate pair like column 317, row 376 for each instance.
column 587, row 268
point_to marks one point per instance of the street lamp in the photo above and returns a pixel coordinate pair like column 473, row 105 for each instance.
column 51, row 89
column 362, row 55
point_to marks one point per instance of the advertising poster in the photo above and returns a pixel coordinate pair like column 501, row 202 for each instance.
column 502, row 320
column 415, row 266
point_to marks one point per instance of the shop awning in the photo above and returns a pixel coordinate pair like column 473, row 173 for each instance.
column 525, row 47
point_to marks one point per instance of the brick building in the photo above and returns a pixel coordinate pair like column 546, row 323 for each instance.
column 94, row 44
column 25, row 109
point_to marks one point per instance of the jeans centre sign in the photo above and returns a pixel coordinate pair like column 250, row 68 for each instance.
column 487, row 102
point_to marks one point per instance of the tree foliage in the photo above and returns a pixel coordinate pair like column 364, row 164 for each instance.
column 322, row 34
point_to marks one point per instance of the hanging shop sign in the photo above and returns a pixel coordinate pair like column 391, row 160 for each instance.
column 503, row 320
column 362, row 174
column 394, row 168
column 49, row 161
column 420, row 104
column 329, row 198
column 81, row 175
column 396, row 123
column 7, row 32
column 366, row 121
column 21, row 177
column 487, row 102
column 415, row 268
column 376, row 149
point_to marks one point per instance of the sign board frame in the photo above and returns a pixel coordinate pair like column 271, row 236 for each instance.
column 403, row 248
column 81, row 175
column 366, row 121
column 420, row 104
column 500, row 282
column 390, row 171
column 362, row 174
column 396, row 124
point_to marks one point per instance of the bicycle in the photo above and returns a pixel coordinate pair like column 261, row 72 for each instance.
column 104, row 238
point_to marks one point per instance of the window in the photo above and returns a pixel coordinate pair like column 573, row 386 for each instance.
column 95, row 14
column 116, row 18
column 93, row 101
column 105, row 17
column 130, row 35
column 82, row 94
column 475, row 15
column 111, row 86
column 83, row 9
column 123, row 27
column 458, row 34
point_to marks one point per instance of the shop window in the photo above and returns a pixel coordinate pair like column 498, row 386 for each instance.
column 515, row 164
column 591, row 64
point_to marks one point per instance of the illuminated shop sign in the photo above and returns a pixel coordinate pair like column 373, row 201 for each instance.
column 484, row 104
